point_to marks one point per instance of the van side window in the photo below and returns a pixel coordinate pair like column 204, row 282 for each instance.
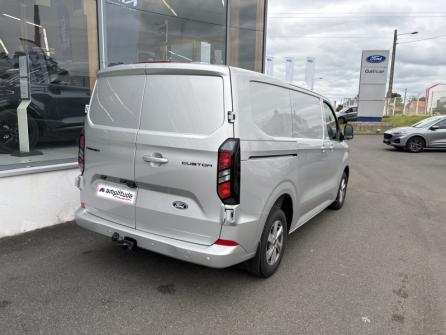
column 331, row 126
column 307, row 121
column 271, row 109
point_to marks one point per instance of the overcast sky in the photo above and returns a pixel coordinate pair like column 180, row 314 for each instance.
column 336, row 31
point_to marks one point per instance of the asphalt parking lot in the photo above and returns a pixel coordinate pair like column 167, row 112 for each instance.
column 375, row 267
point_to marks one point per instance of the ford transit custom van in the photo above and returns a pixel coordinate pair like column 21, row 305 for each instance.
column 209, row 164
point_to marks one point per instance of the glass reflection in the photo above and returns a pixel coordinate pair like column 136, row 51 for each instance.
column 178, row 31
column 54, row 37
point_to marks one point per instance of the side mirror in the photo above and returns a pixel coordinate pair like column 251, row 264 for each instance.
column 342, row 120
column 348, row 132
column 434, row 127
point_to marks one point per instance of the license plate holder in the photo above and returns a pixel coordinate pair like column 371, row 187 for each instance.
column 119, row 193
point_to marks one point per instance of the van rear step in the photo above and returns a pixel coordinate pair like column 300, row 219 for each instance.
column 126, row 242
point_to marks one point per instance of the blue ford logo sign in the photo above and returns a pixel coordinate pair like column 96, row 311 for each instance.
column 376, row 59
column 179, row 205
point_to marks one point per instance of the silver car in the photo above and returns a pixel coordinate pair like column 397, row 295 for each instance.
column 349, row 113
column 209, row 164
column 428, row 133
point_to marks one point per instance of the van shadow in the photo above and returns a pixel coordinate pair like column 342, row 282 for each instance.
column 146, row 271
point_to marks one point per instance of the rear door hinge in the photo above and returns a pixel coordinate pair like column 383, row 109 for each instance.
column 231, row 117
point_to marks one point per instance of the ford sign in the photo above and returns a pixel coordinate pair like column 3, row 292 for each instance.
column 376, row 59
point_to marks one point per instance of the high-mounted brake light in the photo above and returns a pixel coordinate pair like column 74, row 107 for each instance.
column 228, row 171
column 81, row 153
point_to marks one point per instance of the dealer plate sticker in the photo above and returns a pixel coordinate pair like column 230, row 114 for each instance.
column 116, row 193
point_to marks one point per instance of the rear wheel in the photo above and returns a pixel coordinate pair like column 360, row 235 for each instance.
column 340, row 198
column 415, row 144
column 272, row 245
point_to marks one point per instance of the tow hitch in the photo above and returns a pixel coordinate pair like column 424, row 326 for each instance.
column 126, row 242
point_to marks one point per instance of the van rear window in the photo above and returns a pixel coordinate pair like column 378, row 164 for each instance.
column 116, row 101
column 186, row 104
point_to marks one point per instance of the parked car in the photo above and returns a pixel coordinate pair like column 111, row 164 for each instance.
column 347, row 114
column 56, row 111
column 209, row 164
column 428, row 133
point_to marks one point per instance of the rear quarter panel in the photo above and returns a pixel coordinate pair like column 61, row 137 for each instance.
column 263, row 179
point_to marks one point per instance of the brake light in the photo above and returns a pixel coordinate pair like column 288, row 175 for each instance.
column 228, row 171
column 81, row 153
column 226, row 243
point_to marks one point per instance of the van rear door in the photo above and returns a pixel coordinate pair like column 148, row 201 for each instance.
column 110, row 134
column 183, row 123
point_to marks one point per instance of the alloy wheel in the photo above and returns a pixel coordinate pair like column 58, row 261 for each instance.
column 274, row 243
column 416, row 144
column 342, row 190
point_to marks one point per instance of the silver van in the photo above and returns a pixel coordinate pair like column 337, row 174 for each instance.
column 209, row 164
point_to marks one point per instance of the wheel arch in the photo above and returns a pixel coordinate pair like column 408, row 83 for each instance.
column 347, row 171
column 283, row 195
column 285, row 203
column 417, row 136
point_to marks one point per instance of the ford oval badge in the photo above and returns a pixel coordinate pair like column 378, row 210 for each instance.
column 179, row 205
column 376, row 59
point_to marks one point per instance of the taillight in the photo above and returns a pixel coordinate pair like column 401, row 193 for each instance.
column 228, row 171
column 81, row 154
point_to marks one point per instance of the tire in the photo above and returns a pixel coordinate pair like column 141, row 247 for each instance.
column 272, row 245
column 9, row 133
column 415, row 144
column 342, row 191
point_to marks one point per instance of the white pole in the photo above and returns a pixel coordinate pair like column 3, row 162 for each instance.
column 394, row 103
column 416, row 109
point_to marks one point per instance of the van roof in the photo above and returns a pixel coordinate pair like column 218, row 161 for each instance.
column 199, row 69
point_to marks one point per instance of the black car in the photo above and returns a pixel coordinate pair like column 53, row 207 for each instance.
column 56, row 111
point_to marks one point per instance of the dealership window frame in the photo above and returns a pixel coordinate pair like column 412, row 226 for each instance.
column 97, row 60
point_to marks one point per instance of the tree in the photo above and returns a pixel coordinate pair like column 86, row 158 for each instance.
column 395, row 95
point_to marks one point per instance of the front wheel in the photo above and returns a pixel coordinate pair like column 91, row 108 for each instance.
column 340, row 198
column 272, row 245
column 415, row 144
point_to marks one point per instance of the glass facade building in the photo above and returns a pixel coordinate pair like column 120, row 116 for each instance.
column 67, row 41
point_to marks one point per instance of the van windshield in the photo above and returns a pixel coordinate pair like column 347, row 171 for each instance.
column 187, row 104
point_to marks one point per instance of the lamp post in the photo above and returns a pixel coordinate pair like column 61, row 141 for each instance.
column 392, row 64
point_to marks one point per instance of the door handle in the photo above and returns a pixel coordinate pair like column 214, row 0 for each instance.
column 327, row 146
column 155, row 159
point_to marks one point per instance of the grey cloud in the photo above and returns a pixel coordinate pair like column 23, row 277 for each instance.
column 337, row 42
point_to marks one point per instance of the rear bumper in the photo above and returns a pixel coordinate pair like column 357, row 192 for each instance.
column 214, row 256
